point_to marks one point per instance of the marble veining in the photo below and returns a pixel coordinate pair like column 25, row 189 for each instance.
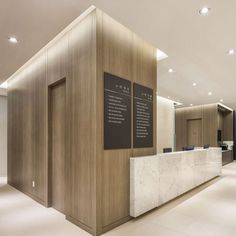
column 157, row 179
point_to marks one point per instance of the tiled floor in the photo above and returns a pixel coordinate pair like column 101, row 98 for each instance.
column 207, row 211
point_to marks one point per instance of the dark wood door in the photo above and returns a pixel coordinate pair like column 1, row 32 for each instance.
column 194, row 132
column 57, row 130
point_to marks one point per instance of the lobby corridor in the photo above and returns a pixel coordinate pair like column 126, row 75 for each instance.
column 208, row 210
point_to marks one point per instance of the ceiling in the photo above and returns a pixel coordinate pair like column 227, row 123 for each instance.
column 196, row 45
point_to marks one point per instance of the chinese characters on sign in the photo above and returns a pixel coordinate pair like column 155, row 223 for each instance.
column 117, row 112
column 143, row 116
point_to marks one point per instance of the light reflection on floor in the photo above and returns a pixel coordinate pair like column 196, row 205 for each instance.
column 207, row 211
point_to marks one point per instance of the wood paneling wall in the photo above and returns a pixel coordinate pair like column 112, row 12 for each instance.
column 27, row 130
column 126, row 55
column 97, row 181
column 117, row 59
column 213, row 119
column 228, row 126
column 208, row 114
column 3, row 134
column 220, row 120
column 72, row 57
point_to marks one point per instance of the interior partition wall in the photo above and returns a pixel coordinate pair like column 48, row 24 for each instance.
column 199, row 125
column 200, row 121
column 3, row 134
column 234, row 135
column 67, row 76
column 165, row 124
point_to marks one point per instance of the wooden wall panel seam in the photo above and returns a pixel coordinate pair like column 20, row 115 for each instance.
column 99, row 126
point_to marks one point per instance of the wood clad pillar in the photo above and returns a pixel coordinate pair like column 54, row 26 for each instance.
column 97, row 180
column 122, row 53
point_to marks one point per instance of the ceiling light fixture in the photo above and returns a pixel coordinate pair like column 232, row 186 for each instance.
column 210, row 93
column 221, row 100
column 12, row 40
column 170, row 70
column 191, row 104
column 231, row 51
column 194, row 84
column 204, row 11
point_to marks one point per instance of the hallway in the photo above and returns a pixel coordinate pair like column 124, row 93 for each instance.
column 208, row 210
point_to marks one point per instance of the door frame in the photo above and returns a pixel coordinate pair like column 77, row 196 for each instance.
column 49, row 161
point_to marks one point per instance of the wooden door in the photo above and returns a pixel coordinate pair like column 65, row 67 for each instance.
column 57, row 131
column 194, row 132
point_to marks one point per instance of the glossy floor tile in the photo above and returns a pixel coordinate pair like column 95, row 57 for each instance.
column 208, row 210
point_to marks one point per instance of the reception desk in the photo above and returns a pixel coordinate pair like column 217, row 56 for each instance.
column 155, row 180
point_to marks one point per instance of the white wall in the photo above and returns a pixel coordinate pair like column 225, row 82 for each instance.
column 165, row 124
column 3, row 134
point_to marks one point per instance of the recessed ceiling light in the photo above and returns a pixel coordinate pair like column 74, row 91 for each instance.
column 194, row 84
column 191, row 104
column 170, row 70
column 231, row 51
column 168, row 97
column 12, row 40
column 204, row 11
column 210, row 93
column 221, row 100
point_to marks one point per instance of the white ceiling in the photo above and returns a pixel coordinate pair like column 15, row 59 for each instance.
column 196, row 45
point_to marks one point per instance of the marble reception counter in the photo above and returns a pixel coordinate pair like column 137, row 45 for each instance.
column 155, row 180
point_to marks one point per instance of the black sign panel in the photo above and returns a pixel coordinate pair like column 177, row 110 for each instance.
column 143, row 116
column 117, row 112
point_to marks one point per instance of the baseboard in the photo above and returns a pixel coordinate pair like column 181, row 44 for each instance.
column 40, row 201
column 80, row 224
column 115, row 224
